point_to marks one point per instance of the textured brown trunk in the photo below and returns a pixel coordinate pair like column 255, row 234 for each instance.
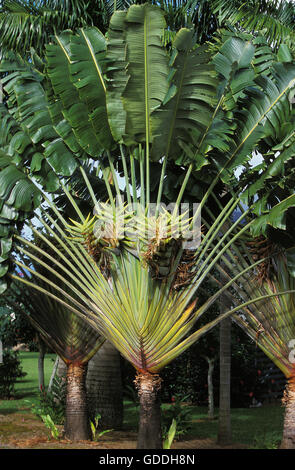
column 288, row 441
column 149, row 431
column 224, row 425
column 77, row 425
column 104, row 387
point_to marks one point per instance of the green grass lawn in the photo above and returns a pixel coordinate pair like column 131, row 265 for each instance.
column 259, row 428
column 26, row 389
column 255, row 427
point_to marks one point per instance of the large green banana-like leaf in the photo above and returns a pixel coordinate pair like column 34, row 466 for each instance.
column 87, row 69
column 17, row 153
column 23, row 195
column 76, row 66
column 73, row 110
column 16, row 190
column 56, row 108
column 117, row 75
column 233, row 62
column 34, row 118
column 264, row 55
column 189, row 101
column 267, row 107
column 274, row 169
column 276, row 217
column 147, row 71
column 258, row 117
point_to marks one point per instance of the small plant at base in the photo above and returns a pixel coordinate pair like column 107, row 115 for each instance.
column 50, row 425
column 52, row 403
column 179, row 413
column 94, row 426
column 170, row 436
column 267, row 441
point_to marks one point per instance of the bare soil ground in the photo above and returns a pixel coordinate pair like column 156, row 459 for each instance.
column 26, row 431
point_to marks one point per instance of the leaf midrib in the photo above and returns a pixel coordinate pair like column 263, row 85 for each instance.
column 94, row 60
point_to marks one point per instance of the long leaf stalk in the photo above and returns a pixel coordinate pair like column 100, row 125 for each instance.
column 182, row 189
column 245, row 251
column 133, row 177
column 86, row 311
column 89, row 187
column 75, row 251
column 181, row 347
column 115, row 179
column 82, row 283
column 108, row 186
column 184, row 295
column 219, row 250
column 215, row 227
column 74, row 204
column 77, row 292
column 270, row 324
column 126, row 176
column 142, row 177
column 161, row 183
column 192, row 291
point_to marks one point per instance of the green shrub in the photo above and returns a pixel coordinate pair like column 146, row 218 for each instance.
column 52, row 404
column 10, row 371
column 179, row 413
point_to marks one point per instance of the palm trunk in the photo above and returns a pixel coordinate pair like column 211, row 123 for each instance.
column 210, row 388
column 42, row 351
column 77, row 425
column 149, row 431
column 224, row 430
column 288, row 441
column 104, row 387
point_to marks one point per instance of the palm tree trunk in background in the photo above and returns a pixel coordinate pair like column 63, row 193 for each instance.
column 77, row 425
column 210, row 387
column 42, row 351
column 288, row 441
column 149, row 431
column 224, row 425
column 104, row 387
